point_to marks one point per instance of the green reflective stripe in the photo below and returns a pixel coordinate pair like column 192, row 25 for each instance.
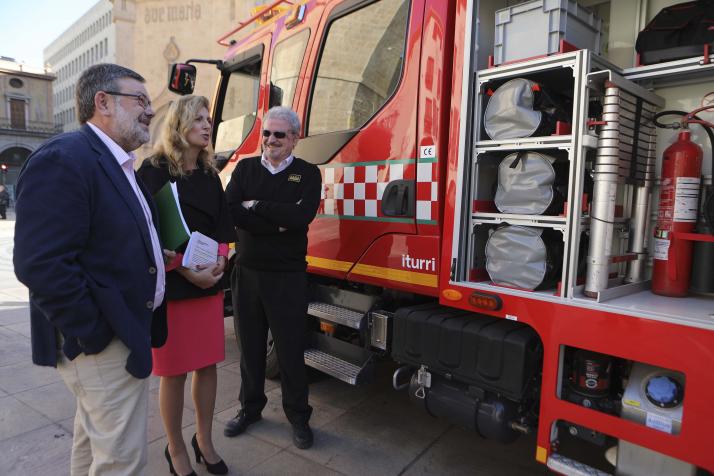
column 379, row 162
column 374, row 162
column 385, row 219
column 361, row 218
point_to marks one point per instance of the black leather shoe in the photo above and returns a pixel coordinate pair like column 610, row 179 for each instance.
column 302, row 436
column 239, row 423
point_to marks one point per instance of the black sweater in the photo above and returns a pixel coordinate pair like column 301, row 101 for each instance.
column 288, row 199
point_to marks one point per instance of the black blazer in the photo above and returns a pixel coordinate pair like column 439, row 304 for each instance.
column 82, row 247
column 203, row 205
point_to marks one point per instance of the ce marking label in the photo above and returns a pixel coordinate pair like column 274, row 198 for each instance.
column 427, row 152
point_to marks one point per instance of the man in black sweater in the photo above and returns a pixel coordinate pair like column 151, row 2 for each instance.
column 273, row 199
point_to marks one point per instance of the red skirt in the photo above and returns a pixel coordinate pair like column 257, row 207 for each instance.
column 196, row 336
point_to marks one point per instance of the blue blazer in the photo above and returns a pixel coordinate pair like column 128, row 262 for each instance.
column 82, row 247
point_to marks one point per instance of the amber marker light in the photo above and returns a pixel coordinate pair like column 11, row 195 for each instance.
column 451, row 295
column 327, row 328
column 489, row 302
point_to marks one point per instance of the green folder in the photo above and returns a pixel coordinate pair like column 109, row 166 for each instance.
column 173, row 230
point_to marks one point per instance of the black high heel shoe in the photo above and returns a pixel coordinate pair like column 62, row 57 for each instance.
column 215, row 468
column 171, row 464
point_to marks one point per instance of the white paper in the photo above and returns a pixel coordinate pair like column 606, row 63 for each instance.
column 659, row 422
column 661, row 248
column 201, row 250
column 686, row 199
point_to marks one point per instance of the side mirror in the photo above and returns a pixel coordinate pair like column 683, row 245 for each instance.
column 182, row 78
column 276, row 96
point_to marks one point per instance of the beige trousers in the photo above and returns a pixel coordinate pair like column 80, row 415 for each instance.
column 110, row 426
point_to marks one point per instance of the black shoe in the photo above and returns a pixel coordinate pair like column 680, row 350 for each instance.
column 239, row 423
column 215, row 468
column 171, row 464
column 302, row 436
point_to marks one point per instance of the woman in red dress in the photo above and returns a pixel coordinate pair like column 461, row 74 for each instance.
column 195, row 298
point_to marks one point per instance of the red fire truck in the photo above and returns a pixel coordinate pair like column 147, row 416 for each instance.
column 488, row 215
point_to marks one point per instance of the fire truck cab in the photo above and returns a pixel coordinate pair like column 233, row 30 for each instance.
column 504, row 259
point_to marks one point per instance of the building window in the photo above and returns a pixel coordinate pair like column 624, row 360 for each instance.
column 16, row 83
column 360, row 66
column 17, row 114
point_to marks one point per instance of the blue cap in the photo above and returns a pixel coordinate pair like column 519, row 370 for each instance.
column 662, row 390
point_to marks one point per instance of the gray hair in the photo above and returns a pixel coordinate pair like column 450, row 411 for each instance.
column 287, row 115
column 100, row 77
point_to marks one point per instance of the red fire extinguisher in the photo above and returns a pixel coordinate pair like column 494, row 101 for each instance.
column 678, row 208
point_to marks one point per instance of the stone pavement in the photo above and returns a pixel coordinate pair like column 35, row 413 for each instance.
column 370, row 430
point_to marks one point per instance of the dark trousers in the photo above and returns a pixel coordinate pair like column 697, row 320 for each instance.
column 275, row 300
column 3, row 211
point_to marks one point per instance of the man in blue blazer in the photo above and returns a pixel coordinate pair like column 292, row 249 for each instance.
column 87, row 248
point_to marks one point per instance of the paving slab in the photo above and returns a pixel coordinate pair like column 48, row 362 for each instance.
column 289, row 464
column 67, row 424
column 275, row 427
column 24, row 375
column 22, row 328
column 14, row 347
column 13, row 312
column 464, row 453
column 239, row 458
column 43, row 451
column 17, row 418
column 54, row 401
column 381, row 436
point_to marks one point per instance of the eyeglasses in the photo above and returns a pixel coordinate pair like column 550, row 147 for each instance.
column 143, row 101
column 277, row 134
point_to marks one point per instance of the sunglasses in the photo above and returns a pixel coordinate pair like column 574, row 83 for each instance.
column 277, row 134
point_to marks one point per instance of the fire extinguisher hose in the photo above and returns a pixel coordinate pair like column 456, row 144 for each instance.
column 693, row 118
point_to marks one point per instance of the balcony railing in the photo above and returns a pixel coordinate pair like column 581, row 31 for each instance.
column 31, row 127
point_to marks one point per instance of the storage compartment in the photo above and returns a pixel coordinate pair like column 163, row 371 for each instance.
column 521, row 182
column 531, row 183
column 524, row 257
column 537, row 28
column 528, row 258
column 533, row 105
column 495, row 354
column 646, row 394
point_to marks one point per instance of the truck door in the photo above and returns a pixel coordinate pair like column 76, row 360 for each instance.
column 360, row 113
column 238, row 105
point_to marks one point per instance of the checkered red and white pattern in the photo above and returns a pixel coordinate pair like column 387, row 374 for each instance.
column 356, row 191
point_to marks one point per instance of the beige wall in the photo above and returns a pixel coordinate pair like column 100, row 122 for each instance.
column 36, row 90
column 168, row 31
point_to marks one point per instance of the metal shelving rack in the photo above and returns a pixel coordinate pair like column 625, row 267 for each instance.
column 575, row 65
column 580, row 146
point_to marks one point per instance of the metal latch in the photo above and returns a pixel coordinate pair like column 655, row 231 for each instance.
column 424, row 382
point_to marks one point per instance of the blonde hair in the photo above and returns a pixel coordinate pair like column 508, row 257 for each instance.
column 172, row 142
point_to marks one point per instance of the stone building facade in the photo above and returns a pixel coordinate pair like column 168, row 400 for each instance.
column 26, row 118
column 147, row 36
column 90, row 40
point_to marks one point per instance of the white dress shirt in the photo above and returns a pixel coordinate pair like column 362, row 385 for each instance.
column 281, row 166
column 126, row 162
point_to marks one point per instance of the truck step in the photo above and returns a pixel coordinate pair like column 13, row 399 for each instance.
column 334, row 366
column 564, row 465
column 336, row 314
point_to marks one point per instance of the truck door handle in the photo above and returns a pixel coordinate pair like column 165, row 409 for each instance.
column 398, row 199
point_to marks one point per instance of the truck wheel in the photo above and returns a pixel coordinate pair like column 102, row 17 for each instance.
column 272, row 371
